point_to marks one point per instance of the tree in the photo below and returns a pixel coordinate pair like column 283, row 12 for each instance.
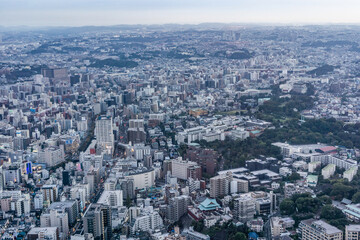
column 329, row 212
column 294, row 177
column 340, row 191
column 239, row 236
column 325, row 199
column 198, row 225
column 356, row 197
column 287, row 207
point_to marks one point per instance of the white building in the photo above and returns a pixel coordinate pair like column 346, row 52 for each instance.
column 147, row 221
column 350, row 173
column 285, row 171
column 90, row 161
column 52, row 156
column 312, row 166
column 22, row 205
column 328, row 171
column 180, row 168
column 352, row 232
column 111, row 198
column 276, row 227
column 104, row 133
column 49, row 233
column 56, row 218
column 328, row 159
column 143, row 179
column 38, row 201
column 81, row 192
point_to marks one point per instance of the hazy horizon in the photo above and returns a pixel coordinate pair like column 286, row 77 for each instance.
column 42, row 13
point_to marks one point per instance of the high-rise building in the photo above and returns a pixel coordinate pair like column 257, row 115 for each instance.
column 136, row 123
column 72, row 207
column 352, row 232
column 56, row 218
column 52, row 156
column 50, row 193
column 111, row 198
column 97, row 220
column 220, row 185
column 12, row 175
column 58, row 73
column 244, row 208
column 66, row 178
column 127, row 187
column 142, row 178
column 38, row 201
column 185, row 169
column 239, row 185
column 22, row 205
column 177, row 207
column 317, row 229
column 104, row 133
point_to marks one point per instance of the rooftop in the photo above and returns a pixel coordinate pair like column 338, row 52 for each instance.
column 208, row 205
column 353, row 227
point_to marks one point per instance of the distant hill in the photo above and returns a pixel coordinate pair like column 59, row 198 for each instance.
column 323, row 70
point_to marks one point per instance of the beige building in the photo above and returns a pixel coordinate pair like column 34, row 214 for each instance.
column 352, row 232
column 328, row 171
column 276, row 227
column 311, row 229
column 220, row 185
column 244, row 208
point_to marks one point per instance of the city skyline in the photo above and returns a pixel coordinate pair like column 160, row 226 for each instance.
column 110, row 12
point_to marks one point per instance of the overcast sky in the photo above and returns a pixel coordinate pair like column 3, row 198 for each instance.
column 112, row 12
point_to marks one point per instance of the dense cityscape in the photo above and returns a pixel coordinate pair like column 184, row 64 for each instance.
column 180, row 132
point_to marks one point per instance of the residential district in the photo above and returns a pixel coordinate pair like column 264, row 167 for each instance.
column 180, row 132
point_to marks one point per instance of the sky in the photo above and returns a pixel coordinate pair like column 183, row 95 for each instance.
column 113, row 12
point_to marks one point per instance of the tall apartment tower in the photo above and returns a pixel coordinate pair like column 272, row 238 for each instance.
column 97, row 220
column 177, row 207
column 104, row 133
column 220, row 185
